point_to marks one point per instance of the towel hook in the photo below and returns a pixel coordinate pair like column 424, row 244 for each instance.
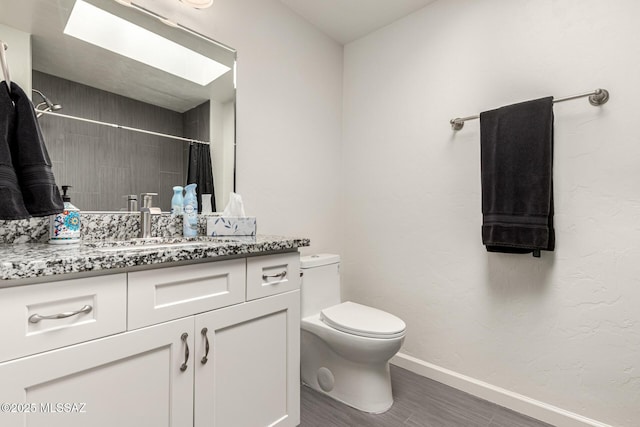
column 5, row 66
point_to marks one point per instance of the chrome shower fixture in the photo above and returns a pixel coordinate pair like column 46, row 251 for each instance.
column 45, row 105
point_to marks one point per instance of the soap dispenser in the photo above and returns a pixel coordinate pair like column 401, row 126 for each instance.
column 65, row 227
column 177, row 201
column 190, row 212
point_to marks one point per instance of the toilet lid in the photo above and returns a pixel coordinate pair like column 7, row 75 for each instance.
column 357, row 319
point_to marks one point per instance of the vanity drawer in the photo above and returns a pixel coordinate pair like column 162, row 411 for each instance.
column 37, row 318
column 163, row 294
column 272, row 274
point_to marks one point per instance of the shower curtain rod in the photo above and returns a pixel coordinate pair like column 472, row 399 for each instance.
column 4, row 64
column 596, row 98
column 113, row 125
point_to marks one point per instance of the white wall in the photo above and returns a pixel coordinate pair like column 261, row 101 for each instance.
column 222, row 118
column 289, row 112
column 18, row 56
column 563, row 329
column 217, row 147
column 229, row 153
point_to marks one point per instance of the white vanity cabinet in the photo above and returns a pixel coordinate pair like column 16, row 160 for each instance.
column 126, row 380
column 197, row 352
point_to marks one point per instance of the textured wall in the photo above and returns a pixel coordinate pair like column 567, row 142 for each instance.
column 103, row 163
column 563, row 329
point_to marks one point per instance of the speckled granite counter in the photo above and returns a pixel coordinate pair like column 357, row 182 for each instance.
column 38, row 260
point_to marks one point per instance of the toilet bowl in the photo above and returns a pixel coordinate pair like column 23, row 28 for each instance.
column 345, row 346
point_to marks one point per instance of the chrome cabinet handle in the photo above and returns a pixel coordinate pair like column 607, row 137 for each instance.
column 184, row 337
column 35, row 318
column 281, row 275
column 206, row 346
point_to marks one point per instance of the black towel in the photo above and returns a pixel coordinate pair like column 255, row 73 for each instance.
column 31, row 160
column 200, row 172
column 11, row 203
column 517, row 184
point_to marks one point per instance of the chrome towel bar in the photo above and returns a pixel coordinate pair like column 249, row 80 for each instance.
column 596, row 98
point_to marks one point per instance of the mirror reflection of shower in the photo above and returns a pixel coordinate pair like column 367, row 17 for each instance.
column 45, row 105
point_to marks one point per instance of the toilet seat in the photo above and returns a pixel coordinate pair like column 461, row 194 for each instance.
column 360, row 320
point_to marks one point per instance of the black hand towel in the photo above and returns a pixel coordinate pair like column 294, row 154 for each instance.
column 517, row 184
column 11, row 203
column 31, row 160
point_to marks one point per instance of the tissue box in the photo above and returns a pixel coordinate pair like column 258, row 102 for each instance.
column 231, row 226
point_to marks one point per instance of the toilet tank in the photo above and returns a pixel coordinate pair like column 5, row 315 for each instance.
column 320, row 282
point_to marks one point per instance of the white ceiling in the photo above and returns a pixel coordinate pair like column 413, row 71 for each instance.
column 348, row 20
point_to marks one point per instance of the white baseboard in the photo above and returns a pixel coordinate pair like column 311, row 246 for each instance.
column 508, row 399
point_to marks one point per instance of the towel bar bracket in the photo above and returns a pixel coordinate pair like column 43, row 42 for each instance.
column 601, row 96
column 456, row 124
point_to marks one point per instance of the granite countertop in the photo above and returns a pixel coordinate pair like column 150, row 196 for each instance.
column 34, row 260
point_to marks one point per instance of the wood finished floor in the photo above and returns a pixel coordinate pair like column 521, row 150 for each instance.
column 418, row 402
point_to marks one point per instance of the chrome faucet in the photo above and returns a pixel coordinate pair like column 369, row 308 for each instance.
column 146, row 211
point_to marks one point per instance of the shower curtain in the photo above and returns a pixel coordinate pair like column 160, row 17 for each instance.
column 200, row 172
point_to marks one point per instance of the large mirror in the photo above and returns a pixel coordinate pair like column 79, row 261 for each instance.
column 77, row 84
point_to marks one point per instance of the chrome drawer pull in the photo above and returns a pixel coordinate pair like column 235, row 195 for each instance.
column 204, row 359
column 184, row 337
column 36, row 317
column 281, row 275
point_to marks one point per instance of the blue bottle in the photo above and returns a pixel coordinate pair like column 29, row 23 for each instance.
column 177, row 201
column 190, row 212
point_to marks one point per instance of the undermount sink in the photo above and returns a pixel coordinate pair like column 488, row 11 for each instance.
column 147, row 247
column 153, row 243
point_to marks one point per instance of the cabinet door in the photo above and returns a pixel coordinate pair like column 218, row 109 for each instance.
column 128, row 380
column 251, row 377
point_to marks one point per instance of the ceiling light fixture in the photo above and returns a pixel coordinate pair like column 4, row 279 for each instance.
column 198, row 4
column 100, row 28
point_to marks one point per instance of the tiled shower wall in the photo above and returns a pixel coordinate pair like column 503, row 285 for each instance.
column 102, row 163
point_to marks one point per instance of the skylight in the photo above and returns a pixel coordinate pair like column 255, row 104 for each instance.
column 100, row 28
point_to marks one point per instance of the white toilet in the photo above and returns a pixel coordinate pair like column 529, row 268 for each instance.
column 345, row 347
